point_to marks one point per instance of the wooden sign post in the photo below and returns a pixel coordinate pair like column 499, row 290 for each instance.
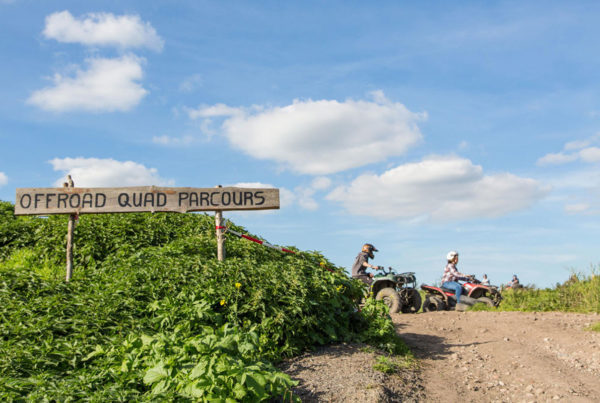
column 220, row 237
column 70, row 229
column 75, row 201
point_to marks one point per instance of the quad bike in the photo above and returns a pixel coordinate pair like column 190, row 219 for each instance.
column 443, row 299
column 397, row 291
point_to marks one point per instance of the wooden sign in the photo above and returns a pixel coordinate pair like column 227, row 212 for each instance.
column 76, row 200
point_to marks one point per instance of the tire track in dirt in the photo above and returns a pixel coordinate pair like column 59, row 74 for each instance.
column 505, row 356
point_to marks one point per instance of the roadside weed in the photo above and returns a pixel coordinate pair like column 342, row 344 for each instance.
column 392, row 365
column 594, row 327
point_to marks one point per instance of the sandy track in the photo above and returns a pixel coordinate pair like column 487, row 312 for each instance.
column 505, row 356
column 464, row 357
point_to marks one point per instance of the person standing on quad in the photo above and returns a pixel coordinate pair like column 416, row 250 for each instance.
column 514, row 283
column 451, row 275
column 361, row 263
column 485, row 280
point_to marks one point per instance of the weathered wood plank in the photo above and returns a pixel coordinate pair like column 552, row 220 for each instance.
column 46, row 201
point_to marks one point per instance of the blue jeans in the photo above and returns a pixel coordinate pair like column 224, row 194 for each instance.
column 453, row 285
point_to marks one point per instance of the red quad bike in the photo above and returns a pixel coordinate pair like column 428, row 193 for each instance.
column 443, row 299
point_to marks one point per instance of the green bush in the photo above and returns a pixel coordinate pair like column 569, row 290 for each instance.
column 151, row 314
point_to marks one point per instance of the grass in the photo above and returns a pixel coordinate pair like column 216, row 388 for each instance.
column 392, row 365
column 580, row 293
column 595, row 327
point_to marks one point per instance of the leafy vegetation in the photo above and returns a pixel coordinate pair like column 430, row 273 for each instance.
column 150, row 314
column 581, row 293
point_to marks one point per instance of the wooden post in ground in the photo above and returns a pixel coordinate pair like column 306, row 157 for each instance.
column 70, row 230
column 220, row 237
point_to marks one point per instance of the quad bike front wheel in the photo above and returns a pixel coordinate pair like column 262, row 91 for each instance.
column 411, row 300
column 391, row 299
column 433, row 303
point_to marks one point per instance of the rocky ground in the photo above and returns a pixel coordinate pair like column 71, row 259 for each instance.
column 465, row 356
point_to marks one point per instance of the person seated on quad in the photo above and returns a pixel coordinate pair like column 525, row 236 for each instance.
column 514, row 283
column 451, row 275
column 485, row 280
column 361, row 263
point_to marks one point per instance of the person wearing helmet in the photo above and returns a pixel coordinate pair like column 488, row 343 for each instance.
column 361, row 263
column 451, row 275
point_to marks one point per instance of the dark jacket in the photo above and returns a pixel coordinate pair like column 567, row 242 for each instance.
column 358, row 269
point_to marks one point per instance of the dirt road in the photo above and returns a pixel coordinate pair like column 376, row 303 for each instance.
column 505, row 356
column 464, row 357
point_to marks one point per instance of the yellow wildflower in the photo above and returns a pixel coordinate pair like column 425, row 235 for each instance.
column 222, row 302
column 238, row 285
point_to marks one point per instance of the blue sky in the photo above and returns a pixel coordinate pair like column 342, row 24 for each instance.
column 418, row 127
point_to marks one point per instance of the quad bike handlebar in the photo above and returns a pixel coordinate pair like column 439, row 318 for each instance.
column 389, row 271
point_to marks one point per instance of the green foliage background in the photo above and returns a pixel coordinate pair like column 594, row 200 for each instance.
column 580, row 293
column 151, row 315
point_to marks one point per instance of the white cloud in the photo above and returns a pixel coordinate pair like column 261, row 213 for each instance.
column 576, row 145
column 320, row 137
column 305, row 195
column 577, row 208
column 286, row 197
column 302, row 196
column 3, row 179
column 172, row 141
column 321, row 183
column 305, row 198
column 107, row 85
column 191, row 83
column 556, row 159
column 574, row 150
column 579, row 185
column 96, row 172
column 217, row 110
column 590, row 154
column 102, row 29
column 439, row 188
column 463, row 145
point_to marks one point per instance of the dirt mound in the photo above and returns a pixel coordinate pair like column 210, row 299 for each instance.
column 344, row 373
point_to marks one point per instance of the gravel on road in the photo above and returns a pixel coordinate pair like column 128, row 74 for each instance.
column 464, row 356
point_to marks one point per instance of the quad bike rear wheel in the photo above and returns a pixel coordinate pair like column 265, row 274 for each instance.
column 433, row 303
column 391, row 299
column 486, row 300
column 411, row 300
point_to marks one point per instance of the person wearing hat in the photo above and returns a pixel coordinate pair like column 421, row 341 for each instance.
column 361, row 263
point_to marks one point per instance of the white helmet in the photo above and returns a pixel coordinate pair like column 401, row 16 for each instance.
column 451, row 255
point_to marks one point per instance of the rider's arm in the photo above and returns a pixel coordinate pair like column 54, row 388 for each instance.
column 458, row 274
column 367, row 264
